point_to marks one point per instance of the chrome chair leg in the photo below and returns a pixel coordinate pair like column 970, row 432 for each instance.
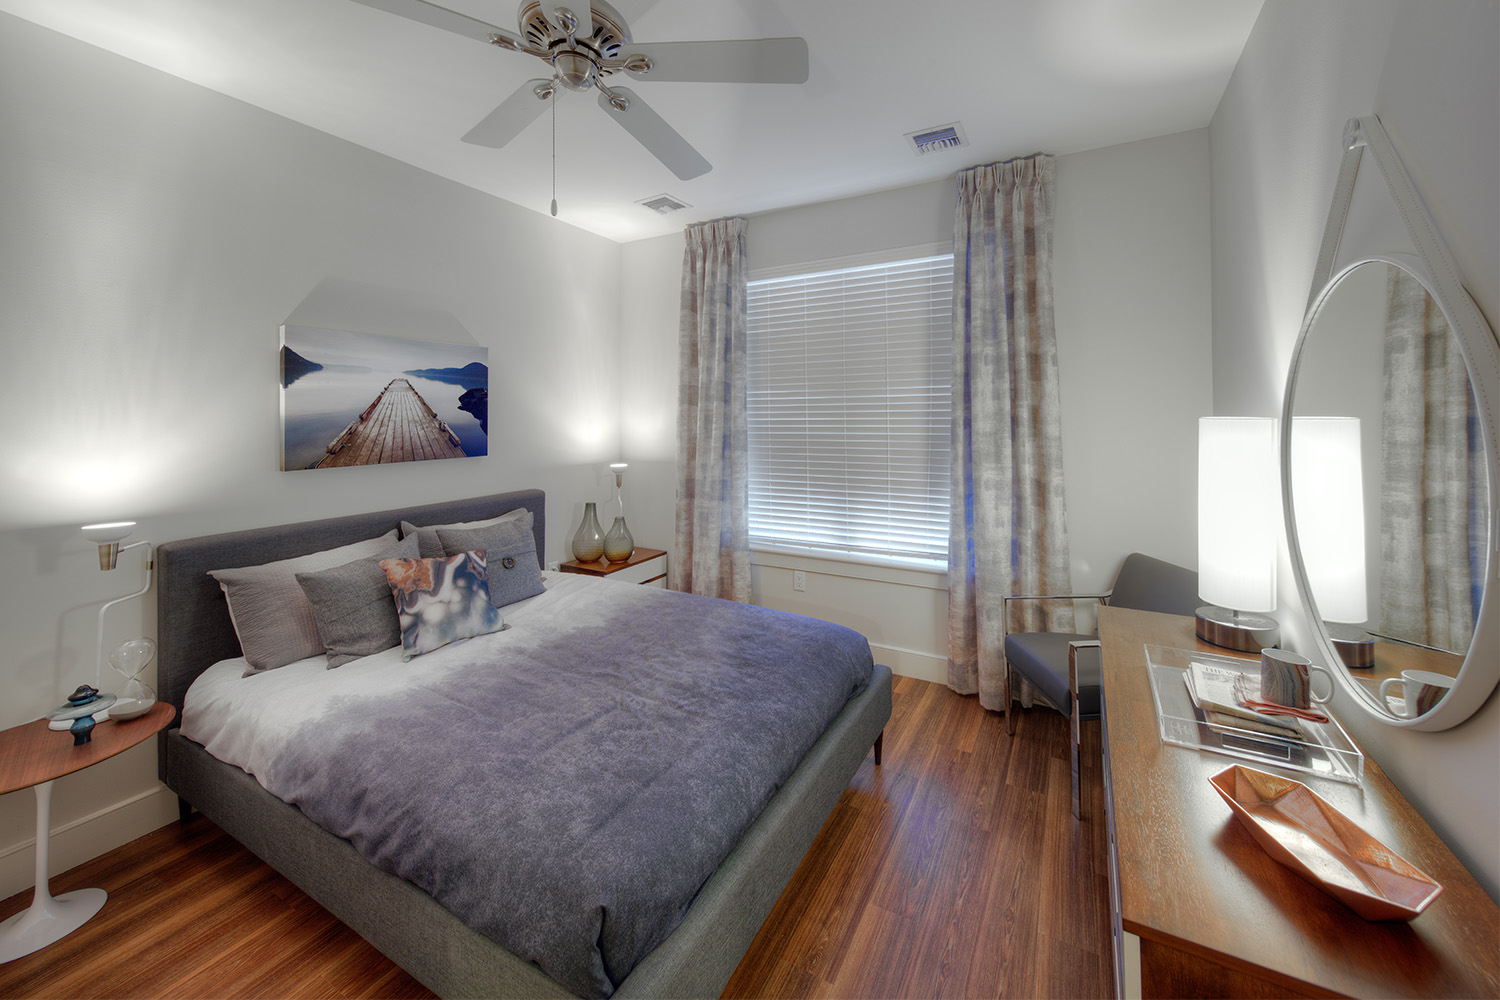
column 1010, row 697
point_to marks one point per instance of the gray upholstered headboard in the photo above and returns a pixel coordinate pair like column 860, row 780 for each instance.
column 193, row 630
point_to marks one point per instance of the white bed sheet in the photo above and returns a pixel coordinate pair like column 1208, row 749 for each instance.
column 245, row 721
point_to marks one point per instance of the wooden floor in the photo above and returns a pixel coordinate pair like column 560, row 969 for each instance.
column 954, row 870
column 398, row 426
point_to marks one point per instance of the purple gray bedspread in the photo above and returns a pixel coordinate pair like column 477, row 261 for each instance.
column 570, row 797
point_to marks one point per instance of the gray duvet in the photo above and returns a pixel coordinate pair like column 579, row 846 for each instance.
column 569, row 794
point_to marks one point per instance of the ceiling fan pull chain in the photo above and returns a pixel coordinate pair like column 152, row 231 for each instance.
column 554, row 153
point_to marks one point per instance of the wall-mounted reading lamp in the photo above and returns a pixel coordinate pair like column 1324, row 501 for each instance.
column 132, row 657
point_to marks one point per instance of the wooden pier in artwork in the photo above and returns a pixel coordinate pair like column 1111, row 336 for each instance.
column 398, row 426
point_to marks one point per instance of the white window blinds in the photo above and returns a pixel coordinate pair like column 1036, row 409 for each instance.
column 849, row 401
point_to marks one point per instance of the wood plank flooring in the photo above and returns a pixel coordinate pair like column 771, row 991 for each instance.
column 954, row 870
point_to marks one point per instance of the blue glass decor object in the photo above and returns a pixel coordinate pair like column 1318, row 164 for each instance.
column 86, row 700
column 588, row 541
column 82, row 730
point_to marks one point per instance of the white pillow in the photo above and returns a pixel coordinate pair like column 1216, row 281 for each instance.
column 271, row 614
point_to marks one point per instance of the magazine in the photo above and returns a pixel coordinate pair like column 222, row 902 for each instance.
column 1212, row 690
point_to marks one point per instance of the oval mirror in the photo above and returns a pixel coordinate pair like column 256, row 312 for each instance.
column 1390, row 472
column 1390, row 489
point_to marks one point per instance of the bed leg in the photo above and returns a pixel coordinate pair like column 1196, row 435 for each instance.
column 879, row 742
column 184, row 810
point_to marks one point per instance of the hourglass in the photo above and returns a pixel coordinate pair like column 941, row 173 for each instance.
column 129, row 660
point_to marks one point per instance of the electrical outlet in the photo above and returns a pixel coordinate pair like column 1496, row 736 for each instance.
column 799, row 580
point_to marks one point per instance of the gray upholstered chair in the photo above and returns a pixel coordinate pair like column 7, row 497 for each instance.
column 1065, row 666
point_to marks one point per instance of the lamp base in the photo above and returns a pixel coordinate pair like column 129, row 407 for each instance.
column 1240, row 630
column 1355, row 646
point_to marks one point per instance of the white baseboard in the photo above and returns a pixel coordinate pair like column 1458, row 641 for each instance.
column 911, row 663
column 87, row 837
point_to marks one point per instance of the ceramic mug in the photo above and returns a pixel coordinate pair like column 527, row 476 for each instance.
column 1421, row 689
column 1286, row 679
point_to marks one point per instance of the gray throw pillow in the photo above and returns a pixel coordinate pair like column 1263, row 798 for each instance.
column 271, row 615
column 427, row 535
column 512, row 571
column 353, row 607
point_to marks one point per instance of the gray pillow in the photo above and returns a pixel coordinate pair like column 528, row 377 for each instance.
column 353, row 607
column 271, row 615
column 431, row 547
column 512, row 571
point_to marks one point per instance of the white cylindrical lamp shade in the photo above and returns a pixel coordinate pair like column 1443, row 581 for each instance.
column 1329, row 509
column 1238, row 512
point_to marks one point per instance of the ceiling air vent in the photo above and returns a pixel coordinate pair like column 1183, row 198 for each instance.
column 933, row 140
column 663, row 204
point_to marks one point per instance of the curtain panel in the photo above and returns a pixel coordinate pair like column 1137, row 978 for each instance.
column 1008, row 533
column 712, row 556
column 1432, row 502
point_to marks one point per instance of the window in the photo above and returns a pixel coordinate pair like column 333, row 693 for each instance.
column 849, row 399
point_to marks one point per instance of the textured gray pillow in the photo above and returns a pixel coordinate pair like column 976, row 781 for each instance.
column 353, row 607
column 431, row 546
column 512, row 571
column 270, row 613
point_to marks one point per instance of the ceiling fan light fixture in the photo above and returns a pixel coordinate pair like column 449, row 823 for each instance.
column 575, row 70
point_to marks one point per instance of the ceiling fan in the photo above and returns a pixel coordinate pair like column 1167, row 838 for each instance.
column 587, row 41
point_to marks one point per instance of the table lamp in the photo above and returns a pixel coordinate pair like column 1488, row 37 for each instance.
column 1237, row 531
column 1328, row 507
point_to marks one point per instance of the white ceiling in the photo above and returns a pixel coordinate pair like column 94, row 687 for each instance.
column 1022, row 76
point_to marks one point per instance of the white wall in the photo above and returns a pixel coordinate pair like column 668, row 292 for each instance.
column 1430, row 72
column 156, row 235
column 1131, row 282
column 650, row 276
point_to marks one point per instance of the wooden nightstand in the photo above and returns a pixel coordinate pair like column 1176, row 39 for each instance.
column 647, row 567
column 34, row 756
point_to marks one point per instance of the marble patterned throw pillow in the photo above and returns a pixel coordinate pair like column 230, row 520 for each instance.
column 441, row 600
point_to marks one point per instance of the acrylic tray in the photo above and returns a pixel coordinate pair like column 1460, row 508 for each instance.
column 1302, row 831
column 1328, row 753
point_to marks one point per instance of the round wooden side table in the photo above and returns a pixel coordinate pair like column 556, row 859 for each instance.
column 33, row 756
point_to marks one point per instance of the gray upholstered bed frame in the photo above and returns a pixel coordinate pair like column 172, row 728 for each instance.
column 409, row 926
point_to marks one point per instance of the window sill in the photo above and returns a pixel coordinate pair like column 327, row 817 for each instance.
column 905, row 571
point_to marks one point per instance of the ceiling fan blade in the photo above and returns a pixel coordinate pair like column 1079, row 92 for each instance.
column 751, row 60
column 659, row 138
column 442, row 17
column 514, row 113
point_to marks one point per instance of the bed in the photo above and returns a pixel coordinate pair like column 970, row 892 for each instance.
column 402, row 920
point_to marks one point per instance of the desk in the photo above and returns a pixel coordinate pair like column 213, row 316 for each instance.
column 1199, row 909
column 34, row 756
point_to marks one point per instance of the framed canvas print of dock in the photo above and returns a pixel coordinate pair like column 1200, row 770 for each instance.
column 361, row 399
